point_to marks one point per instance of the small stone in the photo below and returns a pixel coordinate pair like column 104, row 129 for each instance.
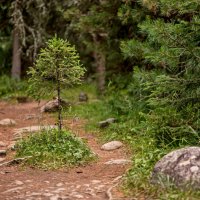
column 79, row 171
column 100, row 187
column 90, row 191
column 28, row 181
column 103, row 124
column 46, row 182
column 118, row 162
column 78, row 196
column 95, row 181
column 2, row 152
column 28, row 117
column 7, row 172
column 2, row 144
column 47, row 194
column 194, row 169
column 32, row 129
column 19, row 182
column 111, row 120
column 35, row 194
column 86, row 185
column 7, row 122
column 52, row 106
column 57, row 191
column 106, row 122
column 83, row 97
column 22, row 99
column 55, row 197
column 111, row 146
column 12, row 146
column 59, row 184
column 2, row 159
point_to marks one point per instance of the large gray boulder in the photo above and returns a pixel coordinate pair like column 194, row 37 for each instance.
column 52, row 106
column 180, row 167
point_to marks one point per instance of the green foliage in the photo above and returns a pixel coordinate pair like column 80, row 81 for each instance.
column 11, row 88
column 130, row 98
column 168, row 40
column 95, row 28
column 72, row 94
column 57, row 67
column 158, row 106
column 48, row 149
column 58, row 62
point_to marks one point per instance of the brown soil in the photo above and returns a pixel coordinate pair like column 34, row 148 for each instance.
column 86, row 182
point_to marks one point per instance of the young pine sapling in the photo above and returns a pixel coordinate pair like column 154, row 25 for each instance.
column 57, row 67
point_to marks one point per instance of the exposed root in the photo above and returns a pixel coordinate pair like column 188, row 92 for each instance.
column 109, row 191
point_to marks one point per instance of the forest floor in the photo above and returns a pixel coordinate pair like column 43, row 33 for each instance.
column 94, row 181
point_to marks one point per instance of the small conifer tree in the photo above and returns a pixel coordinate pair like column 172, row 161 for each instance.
column 57, row 67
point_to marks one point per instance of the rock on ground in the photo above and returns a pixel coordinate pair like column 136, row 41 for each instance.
column 7, row 122
column 107, row 122
column 11, row 146
column 52, row 106
column 2, row 144
column 3, row 152
column 111, row 145
column 118, row 162
column 2, row 159
column 18, row 133
column 22, row 99
column 31, row 129
column 83, row 97
column 181, row 167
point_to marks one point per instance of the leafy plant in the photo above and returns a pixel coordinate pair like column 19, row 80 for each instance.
column 49, row 149
column 10, row 87
column 57, row 67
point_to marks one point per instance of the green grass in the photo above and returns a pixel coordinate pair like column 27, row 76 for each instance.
column 93, row 112
column 10, row 88
column 145, row 152
column 49, row 149
column 72, row 94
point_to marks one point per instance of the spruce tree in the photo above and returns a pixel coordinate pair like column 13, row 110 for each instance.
column 56, row 68
column 169, row 41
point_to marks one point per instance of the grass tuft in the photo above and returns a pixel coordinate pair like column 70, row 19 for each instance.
column 50, row 150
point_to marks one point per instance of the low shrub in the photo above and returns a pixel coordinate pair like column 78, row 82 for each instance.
column 49, row 149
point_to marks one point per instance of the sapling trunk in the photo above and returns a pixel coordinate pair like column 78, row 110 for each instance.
column 59, row 102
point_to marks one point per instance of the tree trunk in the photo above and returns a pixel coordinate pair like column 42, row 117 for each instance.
column 100, row 62
column 100, row 71
column 16, row 57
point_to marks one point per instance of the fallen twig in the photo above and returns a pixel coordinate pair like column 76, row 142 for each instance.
column 14, row 161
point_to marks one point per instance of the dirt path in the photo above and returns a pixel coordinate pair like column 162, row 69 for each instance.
column 89, row 182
